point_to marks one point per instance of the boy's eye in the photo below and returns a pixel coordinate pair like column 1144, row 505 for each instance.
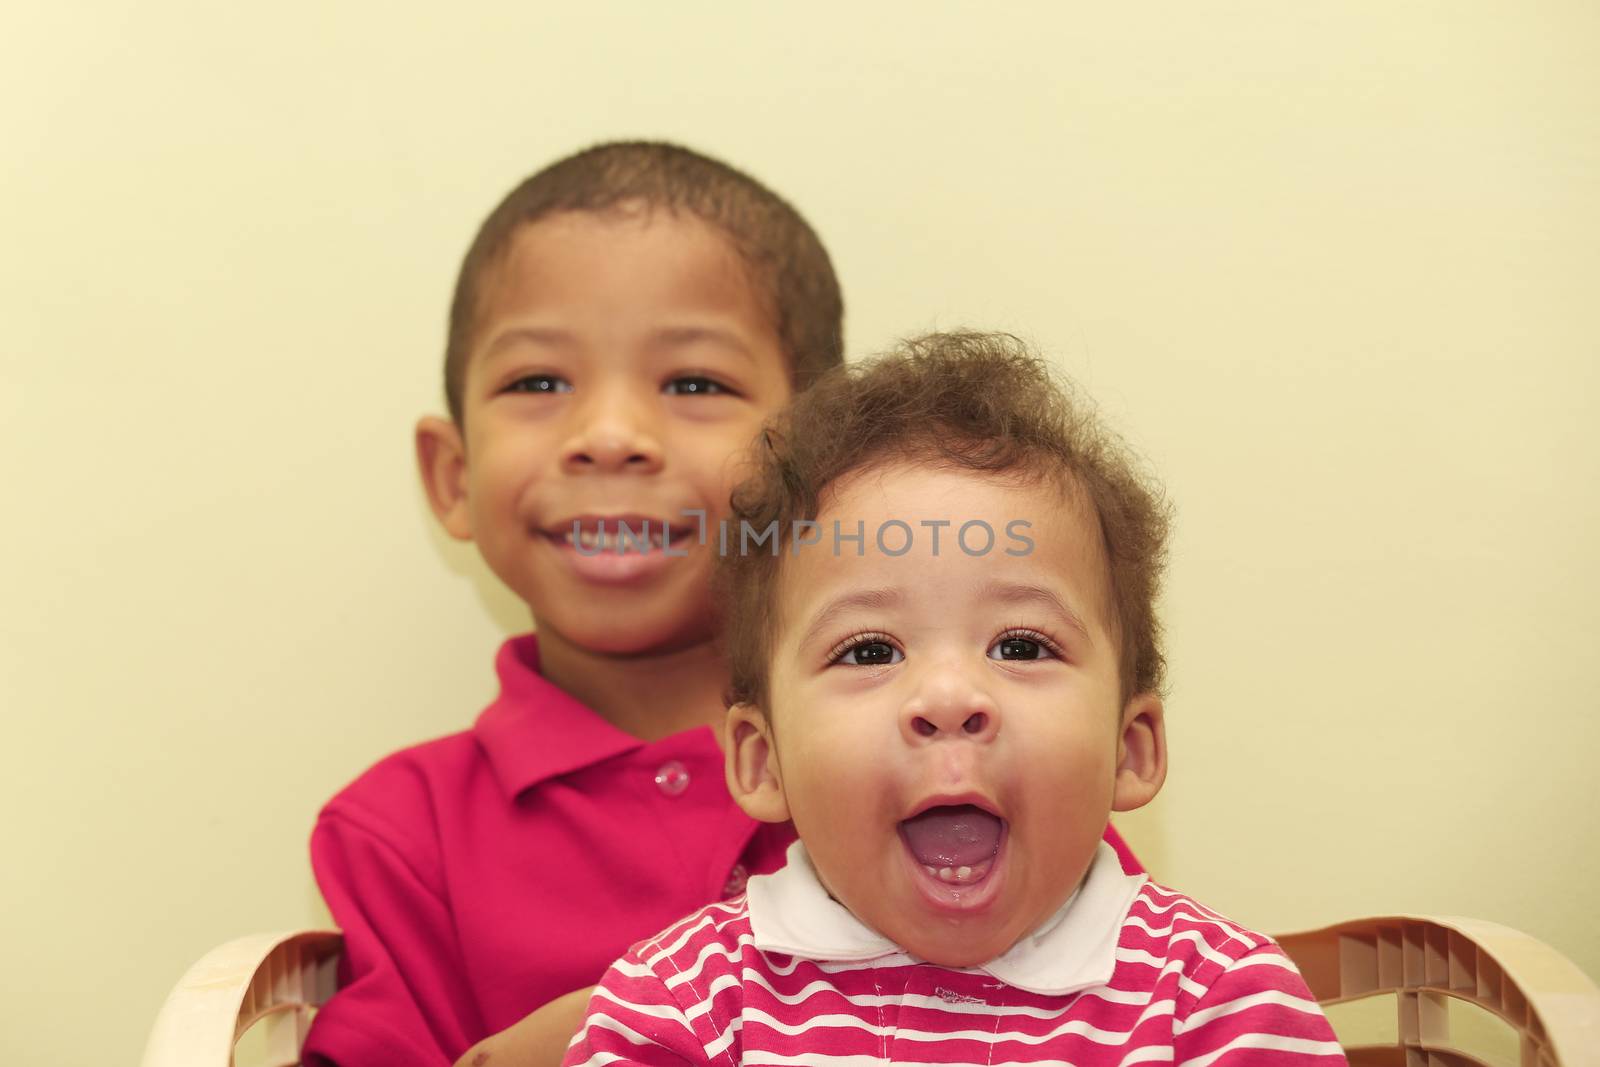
column 695, row 385
column 540, row 383
column 1015, row 646
column 870, row 654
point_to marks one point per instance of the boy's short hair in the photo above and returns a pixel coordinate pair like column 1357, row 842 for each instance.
column 962, row 401
column 787, row 264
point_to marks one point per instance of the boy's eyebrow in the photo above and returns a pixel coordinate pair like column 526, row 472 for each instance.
column 542, row 335
column 1022, row 593
column 667, row 337
column 673, row 336
column 861, row 598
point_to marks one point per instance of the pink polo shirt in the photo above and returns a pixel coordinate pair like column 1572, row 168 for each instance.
column 481, row 875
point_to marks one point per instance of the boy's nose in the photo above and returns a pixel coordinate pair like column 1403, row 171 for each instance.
column 949, row 705
column 611, row 436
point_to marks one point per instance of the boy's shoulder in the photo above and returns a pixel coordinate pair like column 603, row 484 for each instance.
column 392, row 789
column 404, row 804
column 514, row 742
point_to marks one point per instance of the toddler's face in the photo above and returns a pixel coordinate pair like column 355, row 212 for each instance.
column 946, row 729
column 621, row 364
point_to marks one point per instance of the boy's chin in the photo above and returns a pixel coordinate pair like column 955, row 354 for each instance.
column 630, row 638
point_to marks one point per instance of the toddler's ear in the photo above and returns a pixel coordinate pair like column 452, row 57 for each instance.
column 1141, row 753
column 442, row 462
column 752, row 765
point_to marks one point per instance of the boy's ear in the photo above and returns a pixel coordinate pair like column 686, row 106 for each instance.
column 754, row 777
column 1141, row 753
column 442, row 462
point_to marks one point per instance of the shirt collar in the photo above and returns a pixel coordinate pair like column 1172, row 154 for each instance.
column 1075, row 949
column 534, row 730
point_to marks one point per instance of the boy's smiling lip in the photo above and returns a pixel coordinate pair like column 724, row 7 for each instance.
column 611, row 525
column 590, row 543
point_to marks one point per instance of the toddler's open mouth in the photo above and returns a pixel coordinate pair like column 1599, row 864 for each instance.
column 955, row 843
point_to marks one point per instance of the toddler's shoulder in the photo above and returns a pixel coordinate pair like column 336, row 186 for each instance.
column 1165, row 922
column 1198, row 951
column 701, row 947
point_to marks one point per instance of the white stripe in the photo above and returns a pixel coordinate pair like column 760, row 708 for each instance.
column 1266, row 996
column 680, row 934
column 753, row 977
column 600, row 1059
column 719, row 984
column 1147, row 1054
column 1267, row 959
column 654, row 1011
column 1203, row 947
column 1163, row 968
column 631, row 969
column 1193, row 909
column 817, row 1059
column 1166, row 931
column 1139, row 955
column 813, row 1059
column 1205, row 914
column 714, row 948
column 724, row 1039
column 1076, row 1028
column 1271, row 1043
column 621, row 1029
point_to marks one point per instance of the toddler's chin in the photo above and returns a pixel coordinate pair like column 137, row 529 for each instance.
column 956, row 952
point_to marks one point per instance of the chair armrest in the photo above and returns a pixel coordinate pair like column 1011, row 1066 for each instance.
column 280, row 978
column 1426, row 960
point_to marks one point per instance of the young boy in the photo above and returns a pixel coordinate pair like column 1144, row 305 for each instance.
column 947, row 678
column 622, row 324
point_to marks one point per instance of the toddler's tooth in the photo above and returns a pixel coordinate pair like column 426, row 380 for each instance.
column 964, row 873
column 946, row 874
column 931, row 871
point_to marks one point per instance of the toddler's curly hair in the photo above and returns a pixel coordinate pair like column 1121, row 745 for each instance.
column 962, row 401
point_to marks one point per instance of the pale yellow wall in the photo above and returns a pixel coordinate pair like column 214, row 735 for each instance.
column 1333, row 267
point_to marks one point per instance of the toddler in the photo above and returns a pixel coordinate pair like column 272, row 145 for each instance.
column 946, row 671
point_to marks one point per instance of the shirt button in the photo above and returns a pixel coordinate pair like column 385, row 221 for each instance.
column 736, row 881
column 672, row 778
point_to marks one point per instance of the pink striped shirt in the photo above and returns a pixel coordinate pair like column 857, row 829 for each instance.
column 1127, row 972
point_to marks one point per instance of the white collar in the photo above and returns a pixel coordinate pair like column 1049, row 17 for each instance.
column 1074, row 949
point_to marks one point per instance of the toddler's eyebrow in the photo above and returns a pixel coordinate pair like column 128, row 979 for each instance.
column 861, row 598
column 1020, row 593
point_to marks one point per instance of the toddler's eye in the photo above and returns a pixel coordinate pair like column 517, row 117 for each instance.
column 695, row 385
column 540, row 383
column 870, row 654
column 1021, row 646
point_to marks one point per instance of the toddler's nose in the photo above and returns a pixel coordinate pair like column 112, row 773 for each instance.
column 949, row 705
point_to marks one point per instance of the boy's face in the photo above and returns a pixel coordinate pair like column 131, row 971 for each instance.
column 946, row 730
column 621, row 362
